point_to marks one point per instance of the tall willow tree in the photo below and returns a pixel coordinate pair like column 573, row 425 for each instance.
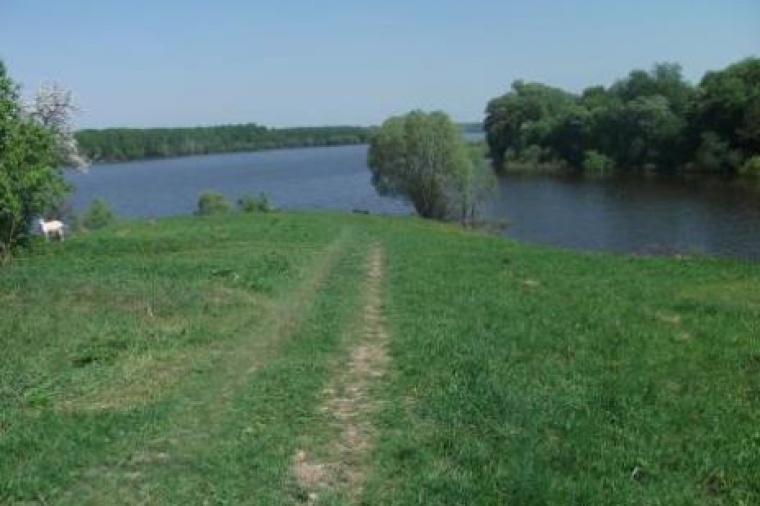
column 423, row 158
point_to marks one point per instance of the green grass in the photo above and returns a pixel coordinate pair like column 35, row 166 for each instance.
column 183, row 362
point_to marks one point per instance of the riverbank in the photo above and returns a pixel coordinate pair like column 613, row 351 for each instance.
column 297, row 357
column 635, row 215
column 129, row 144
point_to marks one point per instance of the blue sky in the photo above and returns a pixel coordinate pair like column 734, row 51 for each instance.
column 288, row 62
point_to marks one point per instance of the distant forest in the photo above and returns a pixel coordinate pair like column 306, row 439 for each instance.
column 122, row 144
column 651, row 121
column 471, row 128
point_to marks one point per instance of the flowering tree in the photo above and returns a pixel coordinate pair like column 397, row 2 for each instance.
column 35, row 142
column 53, row 107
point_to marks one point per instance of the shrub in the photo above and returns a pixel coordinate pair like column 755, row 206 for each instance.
column 213, row 203
column 532, row 155
column 597, row 163
column 751, row 167
column 98, row 215
column 260, row 204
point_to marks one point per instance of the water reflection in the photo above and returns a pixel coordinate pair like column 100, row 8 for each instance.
column 632, row 215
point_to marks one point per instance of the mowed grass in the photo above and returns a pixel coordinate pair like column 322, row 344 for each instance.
column 183, row 361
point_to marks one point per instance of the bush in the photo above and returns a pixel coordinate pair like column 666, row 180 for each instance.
column 532, row 155
column 260, row 204
column 751, row 167
column 597, row 163
column 213, row 203
column 98, row 215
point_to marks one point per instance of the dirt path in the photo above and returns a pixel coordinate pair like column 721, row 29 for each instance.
column 129, row 480
column 339, row 468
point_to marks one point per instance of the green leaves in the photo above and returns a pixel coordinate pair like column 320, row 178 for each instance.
column 30, row 185
column 729, row 106
column 522, row 118
column 422, row 158
column 646, row 121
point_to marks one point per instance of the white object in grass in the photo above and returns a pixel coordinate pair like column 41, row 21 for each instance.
column 53, row 227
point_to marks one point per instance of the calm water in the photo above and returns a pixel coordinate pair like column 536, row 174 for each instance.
column 640, row 216
column 310, row 178
column 633, row 215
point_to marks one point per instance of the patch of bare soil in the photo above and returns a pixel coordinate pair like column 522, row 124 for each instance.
column 349, row 403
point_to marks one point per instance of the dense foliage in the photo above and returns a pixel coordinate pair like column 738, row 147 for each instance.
column 423, row 158
column 30, row 183
column 260, row 204
column 648, row 121
column 121, row 144
column 211, row 202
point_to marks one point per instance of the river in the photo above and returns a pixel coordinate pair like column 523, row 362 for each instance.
column 632, row 215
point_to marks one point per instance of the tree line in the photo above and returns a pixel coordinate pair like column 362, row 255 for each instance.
column 649, row 121
column 122, row 144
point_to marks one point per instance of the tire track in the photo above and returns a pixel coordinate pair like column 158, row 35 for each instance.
column 349, row 403
column 128, row 481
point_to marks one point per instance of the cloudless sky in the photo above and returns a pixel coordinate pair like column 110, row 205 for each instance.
column 318, row 62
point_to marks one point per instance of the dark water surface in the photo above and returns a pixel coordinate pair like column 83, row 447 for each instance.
column 633, row 215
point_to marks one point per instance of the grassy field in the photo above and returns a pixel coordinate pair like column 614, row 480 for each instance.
column 340, row 359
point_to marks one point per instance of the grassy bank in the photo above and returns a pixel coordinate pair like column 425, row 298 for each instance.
column 225, row 360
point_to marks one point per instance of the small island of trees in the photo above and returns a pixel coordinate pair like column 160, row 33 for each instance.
column 647, row 122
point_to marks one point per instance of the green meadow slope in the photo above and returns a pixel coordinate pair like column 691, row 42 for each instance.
column 340, row 359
